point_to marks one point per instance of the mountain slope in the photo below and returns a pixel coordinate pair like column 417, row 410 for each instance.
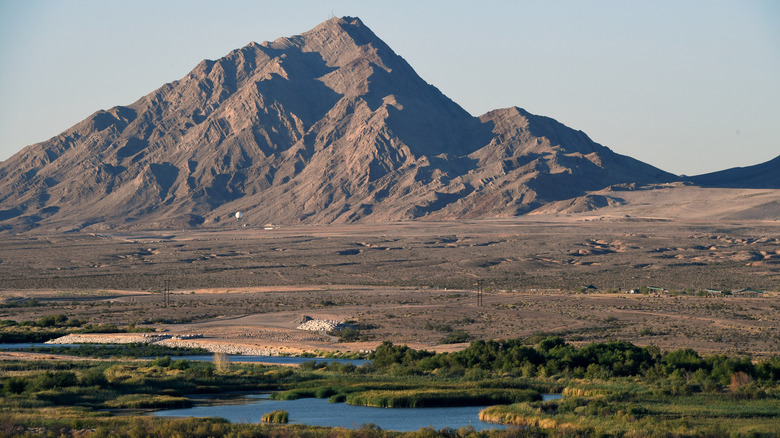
column 327, row 126
column 760, row 176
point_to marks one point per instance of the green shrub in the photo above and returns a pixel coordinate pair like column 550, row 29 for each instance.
column 58, row 320
column 30, row 302
column 181, row 364
column 163, row 362
column 56, row 379
column 94, row 377
column 15, row 385
column 337, row 398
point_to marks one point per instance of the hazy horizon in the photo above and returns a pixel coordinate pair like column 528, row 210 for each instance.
column 690, row 88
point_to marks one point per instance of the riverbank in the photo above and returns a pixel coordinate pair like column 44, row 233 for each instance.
column 212, row 346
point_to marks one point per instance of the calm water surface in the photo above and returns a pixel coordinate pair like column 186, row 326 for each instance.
column 318, row 412
column 24, row 346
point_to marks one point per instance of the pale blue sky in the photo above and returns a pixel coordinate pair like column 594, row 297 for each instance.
column 688, row 86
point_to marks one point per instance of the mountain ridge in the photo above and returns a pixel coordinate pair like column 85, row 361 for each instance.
column 327, row 126
column 764, row 175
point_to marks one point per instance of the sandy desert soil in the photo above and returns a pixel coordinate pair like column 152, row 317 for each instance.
column 267, row 318
column 414, row 282
column 548, row 252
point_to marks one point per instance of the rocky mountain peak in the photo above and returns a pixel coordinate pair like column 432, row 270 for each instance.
column 326, row 126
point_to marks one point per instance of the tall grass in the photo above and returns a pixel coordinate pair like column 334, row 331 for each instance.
column 419, row 398
column 147, row 401
column 279, row 416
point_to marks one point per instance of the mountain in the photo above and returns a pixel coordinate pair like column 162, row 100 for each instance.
column 327, row 126
column 760, row 176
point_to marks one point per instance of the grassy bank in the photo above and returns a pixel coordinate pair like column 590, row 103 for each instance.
column 644, row 414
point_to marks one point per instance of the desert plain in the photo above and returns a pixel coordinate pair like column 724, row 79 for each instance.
column 417, row 283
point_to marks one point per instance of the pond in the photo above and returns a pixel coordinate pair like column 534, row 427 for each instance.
column 318, row 412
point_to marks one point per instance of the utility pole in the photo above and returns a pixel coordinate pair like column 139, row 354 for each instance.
column 167, row 293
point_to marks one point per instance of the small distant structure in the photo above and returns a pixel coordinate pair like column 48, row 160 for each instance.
column 269, row 227
column 752, row 293
column 656, row 289
column 713, row 291
column 239, row 215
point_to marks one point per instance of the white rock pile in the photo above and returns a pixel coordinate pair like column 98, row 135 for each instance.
column 221, row 348
column 119, row 338
column 322, row 325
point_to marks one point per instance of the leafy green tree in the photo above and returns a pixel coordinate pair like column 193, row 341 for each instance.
column 56, row 379
column 688, row 360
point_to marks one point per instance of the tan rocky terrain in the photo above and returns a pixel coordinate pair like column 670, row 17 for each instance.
column 422, row 318
column 416, row 282
column 564, row 251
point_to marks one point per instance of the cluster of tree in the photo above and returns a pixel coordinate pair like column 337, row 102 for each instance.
column 43, row 381
column 58, row 320
column 555, row 356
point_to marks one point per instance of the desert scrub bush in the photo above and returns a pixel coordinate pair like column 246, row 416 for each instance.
column 279, row 416
column 30, row 302
column 438, row 326
column 455, row 337
column 354, row 332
